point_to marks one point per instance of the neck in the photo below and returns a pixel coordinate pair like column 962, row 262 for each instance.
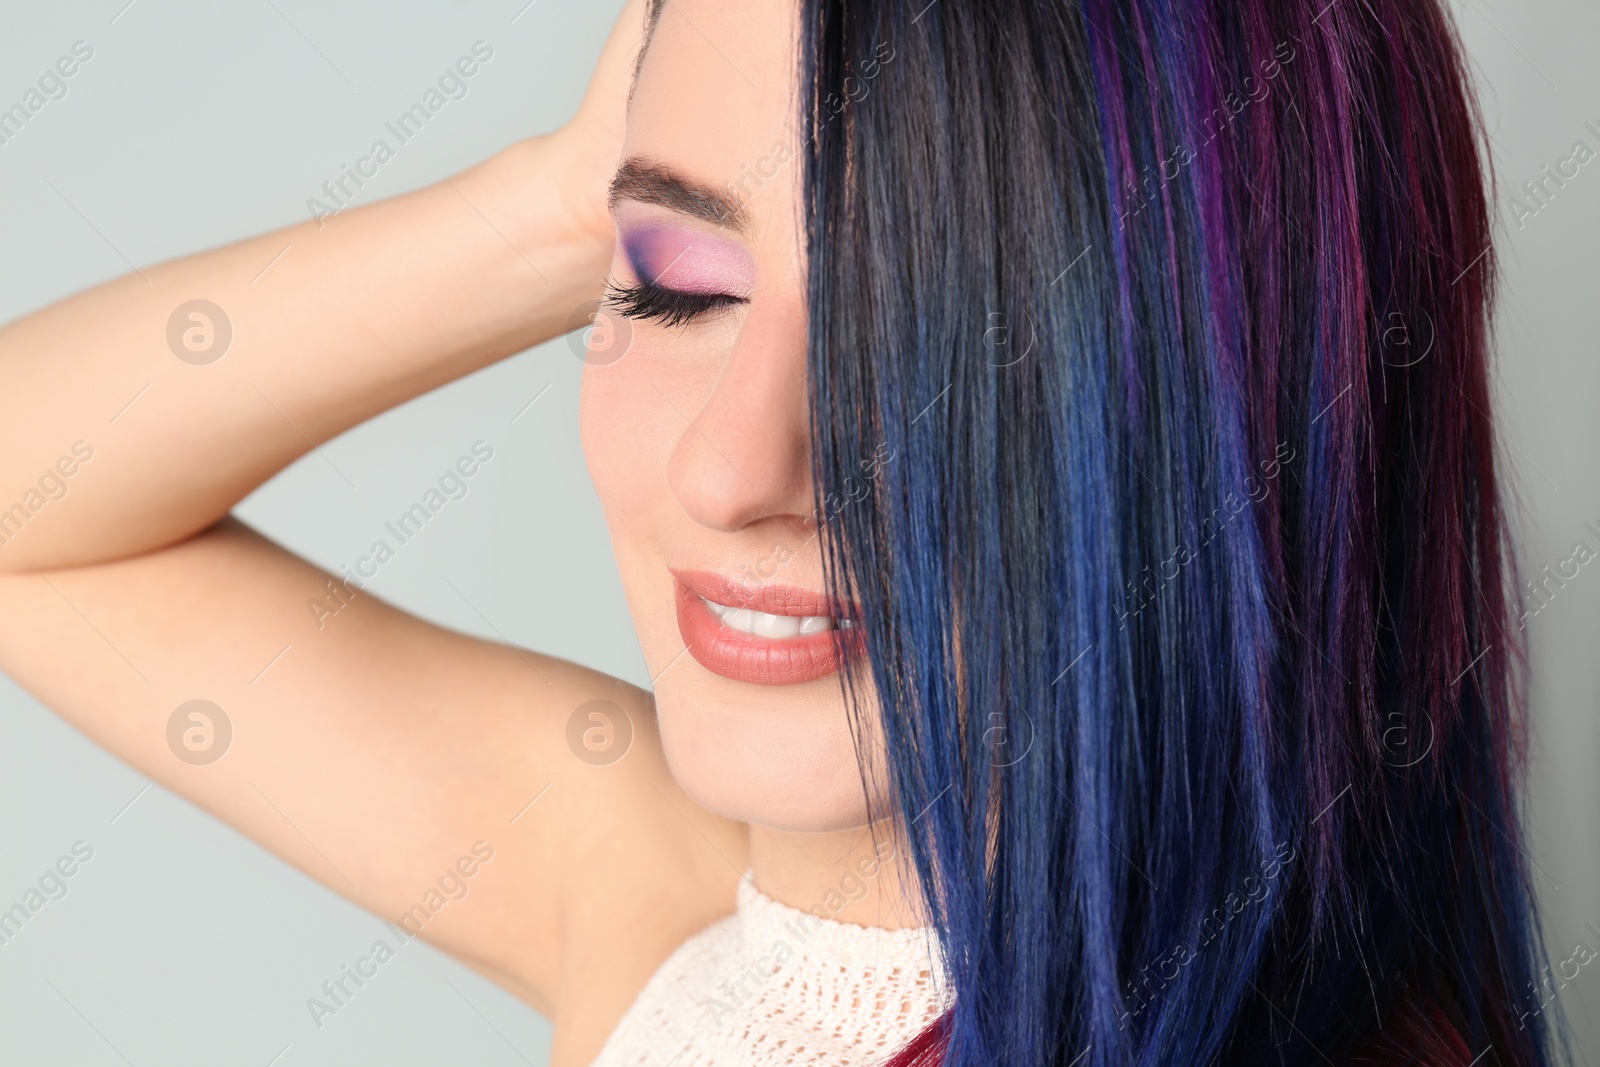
column 860, row 876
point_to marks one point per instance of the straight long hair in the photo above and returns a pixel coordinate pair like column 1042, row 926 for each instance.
column 1151, row 428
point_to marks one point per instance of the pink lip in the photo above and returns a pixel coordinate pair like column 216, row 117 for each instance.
column 745, row 657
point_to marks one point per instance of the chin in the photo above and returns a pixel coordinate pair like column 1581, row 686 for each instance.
column 778, row 757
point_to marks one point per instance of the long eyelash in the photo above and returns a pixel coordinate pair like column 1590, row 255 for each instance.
column 670, row 307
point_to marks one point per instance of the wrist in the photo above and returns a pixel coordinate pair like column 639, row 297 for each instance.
column 552, row 216
column 580, row 167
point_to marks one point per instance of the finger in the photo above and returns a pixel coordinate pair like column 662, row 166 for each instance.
column 613, row 75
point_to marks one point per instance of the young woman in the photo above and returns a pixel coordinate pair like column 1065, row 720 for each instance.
column 1047, row 450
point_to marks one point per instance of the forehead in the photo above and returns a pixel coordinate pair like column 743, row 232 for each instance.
column 716, row 95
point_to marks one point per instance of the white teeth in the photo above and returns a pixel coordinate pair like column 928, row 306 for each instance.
column 763, row 624
column 775, row 625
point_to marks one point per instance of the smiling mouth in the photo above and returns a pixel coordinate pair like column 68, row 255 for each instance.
column 765, row 635
column 775, row 627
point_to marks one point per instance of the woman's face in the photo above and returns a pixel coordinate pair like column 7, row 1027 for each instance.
column 694, row 424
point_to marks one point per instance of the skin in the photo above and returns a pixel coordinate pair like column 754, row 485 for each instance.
column 392, row 743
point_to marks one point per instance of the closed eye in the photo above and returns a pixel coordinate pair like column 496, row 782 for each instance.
column 648, row 301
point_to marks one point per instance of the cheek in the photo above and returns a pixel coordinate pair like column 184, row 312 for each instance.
column 626, row 444
column 629, row 428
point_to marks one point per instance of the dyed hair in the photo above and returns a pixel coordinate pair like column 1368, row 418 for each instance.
column 1152, row 336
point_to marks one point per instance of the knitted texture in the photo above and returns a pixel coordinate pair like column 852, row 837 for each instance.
column 773, row 986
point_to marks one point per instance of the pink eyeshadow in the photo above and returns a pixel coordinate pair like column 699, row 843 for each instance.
column 688, row 260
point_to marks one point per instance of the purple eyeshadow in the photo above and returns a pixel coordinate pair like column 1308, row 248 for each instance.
column 688, row 260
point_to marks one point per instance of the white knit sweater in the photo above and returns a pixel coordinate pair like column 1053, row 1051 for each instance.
column 773, row 986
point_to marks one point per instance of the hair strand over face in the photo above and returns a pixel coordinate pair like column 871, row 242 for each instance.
column 1185, row 590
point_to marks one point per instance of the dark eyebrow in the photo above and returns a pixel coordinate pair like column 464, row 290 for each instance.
column 647, row 181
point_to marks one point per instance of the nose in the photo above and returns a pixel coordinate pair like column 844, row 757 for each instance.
column 744, row 457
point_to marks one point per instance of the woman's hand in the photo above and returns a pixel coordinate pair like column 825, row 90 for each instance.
column 365, row 310
column 588, row 148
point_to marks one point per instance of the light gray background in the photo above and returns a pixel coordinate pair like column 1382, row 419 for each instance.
column 197, row 123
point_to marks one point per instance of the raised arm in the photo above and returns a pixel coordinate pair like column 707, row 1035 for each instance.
column 150, row 414
column 379, row 753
